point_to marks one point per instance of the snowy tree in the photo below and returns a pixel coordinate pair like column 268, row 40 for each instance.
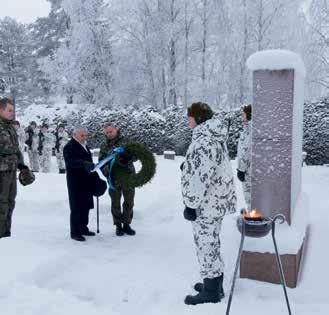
column 317, row 40
column 16, row 61
column 48, row 32
column 82, row 66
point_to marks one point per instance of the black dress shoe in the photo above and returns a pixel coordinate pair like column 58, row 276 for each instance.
column 88, row 233
column 119, row 231
column 78, row 238
column 128, row 230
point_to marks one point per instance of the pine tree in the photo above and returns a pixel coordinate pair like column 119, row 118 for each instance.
column 83, row 63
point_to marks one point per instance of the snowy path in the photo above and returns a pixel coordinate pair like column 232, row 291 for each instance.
column 43, row 272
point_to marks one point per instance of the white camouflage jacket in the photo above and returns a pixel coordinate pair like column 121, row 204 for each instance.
column 207, row 178
column 244, row 148
column 35, row 140
column 21, row 138
column 49, row 141
column 64, row 139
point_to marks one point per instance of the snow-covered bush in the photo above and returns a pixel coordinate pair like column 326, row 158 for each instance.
column 168, row 130
column 233, row 119
column 177, row 134
column 316, row 132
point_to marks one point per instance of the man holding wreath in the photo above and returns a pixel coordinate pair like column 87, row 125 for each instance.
column 121, row 219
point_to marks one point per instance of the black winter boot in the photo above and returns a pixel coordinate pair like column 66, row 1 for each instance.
column 199, row 286
column 209, row 294
column 119, row 231
column 128, row 230
column 6, row 234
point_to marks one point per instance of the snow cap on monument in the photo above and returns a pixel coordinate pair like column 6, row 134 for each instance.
column 276, row 59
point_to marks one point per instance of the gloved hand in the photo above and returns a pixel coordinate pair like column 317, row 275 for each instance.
column 181, row 166
column 22, row 166
column 89, row 166
column 241, row 175
column 122, row 159
column 189, row 214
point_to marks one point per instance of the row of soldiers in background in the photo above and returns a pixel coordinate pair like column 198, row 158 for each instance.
column 40, row 144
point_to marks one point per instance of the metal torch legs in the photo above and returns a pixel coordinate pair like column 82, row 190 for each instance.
column 278, row 259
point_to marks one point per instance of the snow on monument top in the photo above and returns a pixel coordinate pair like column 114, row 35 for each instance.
column 277, row 59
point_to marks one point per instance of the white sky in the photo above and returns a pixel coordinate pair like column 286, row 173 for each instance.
column 24, row 11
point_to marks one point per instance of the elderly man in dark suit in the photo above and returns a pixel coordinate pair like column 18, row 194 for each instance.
column 78, row 161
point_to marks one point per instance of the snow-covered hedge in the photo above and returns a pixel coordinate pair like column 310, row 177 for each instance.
column 167, row 130
column 316, row 132
column 160, row 131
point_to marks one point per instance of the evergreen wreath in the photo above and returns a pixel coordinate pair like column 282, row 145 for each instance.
column 126, row 177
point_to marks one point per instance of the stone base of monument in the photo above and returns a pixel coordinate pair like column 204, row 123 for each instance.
column 254, row 226
column 263, row 267
column 258, row 261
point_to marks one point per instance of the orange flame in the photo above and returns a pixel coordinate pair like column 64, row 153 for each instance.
column 253, row 214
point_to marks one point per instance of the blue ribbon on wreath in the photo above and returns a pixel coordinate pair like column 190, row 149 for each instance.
column 110, row 160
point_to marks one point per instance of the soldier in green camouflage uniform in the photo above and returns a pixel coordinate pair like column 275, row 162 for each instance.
column 10, row 160
column 123, row 219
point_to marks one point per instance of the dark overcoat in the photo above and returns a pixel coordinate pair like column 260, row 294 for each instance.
column 79, row 180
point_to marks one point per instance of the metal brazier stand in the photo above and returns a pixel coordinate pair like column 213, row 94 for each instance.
column 257, row 229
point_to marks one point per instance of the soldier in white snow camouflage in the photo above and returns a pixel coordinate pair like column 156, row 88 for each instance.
column 46, row 144
column 209, row 194
column 61, row 138
column 20, row 134
column 244, row 155
column 32, row 142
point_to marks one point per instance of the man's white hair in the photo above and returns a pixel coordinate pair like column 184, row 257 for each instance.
column 77, row 129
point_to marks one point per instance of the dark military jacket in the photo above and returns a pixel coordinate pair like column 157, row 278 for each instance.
column 10, row 155
column 107, row 148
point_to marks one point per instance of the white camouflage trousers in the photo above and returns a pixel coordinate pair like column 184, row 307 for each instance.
column 246, row 186
column 45, row 160
column 60, row 160
column 34, row 160
column 207, row 242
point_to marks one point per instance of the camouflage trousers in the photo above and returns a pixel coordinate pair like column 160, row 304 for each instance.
column 126, row 215
column 8, row 191
column 45, row 160
column 34, row 160
column 60, row 160
column 246, row 186
column 206, row 233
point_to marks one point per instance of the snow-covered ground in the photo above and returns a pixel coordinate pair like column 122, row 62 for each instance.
column 44, row 272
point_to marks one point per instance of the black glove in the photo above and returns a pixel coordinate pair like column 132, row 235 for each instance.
column 22, row 166
column 181, row 166
column 189, row 214
column 122, row 160
column 89, row 166
column 241, row 176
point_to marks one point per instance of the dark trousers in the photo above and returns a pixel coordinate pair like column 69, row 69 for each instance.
column 79, row 220
column 8, row 191
column 126, row 215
